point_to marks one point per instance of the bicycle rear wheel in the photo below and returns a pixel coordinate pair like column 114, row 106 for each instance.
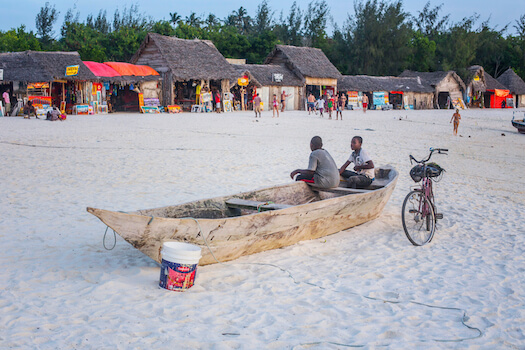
column 419, row 219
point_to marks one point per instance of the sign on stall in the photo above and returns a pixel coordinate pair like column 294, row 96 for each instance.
column 72, row 70
column 1, row 74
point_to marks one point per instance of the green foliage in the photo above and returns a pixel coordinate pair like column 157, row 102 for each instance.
column 380, row 38
column 18, row 40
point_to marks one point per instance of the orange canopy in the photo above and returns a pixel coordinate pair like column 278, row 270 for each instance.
column 131, row 69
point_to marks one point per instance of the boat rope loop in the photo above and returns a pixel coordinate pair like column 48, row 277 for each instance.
column 114, row 239
column 464, row 318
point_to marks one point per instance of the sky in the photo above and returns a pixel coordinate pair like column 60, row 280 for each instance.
column 16, row 13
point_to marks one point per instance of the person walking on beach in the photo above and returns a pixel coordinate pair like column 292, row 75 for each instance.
column 275, row 106
column 311, row 103
column 257, row 105
column 365, row 103
column 283, row 100
column 456, row 117
column 330, row 106
column 320, row 105
column 322, row 170
column 7, row 102
column 340, row 106
column 363, row 173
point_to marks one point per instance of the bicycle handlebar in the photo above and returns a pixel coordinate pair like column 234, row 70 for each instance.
column 432, row 150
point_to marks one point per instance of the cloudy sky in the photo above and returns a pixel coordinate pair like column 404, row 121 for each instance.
column 15, row 13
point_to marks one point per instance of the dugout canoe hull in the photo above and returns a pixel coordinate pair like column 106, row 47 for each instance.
column 230, row 234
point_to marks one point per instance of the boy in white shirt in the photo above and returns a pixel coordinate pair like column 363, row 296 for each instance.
column 363, row 173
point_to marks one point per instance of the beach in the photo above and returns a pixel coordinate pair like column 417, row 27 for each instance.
column 366, row 286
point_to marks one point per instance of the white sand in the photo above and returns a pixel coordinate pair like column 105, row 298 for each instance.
column 60, row 289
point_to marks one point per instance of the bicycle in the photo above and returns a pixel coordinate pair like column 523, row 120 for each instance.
column 418, row 213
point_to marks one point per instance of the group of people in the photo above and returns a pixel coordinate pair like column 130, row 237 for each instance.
column 330, row 102
column 323, row 172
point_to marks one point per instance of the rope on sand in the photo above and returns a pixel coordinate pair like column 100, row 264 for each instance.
column 114, row 239
column 464, row 318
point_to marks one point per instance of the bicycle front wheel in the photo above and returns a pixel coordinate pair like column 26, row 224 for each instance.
column 419, row 219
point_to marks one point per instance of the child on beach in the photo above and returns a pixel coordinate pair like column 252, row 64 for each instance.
column 257, row 105
column 456, row 117
column 340, row 106
column 330, row 106
column 320, row 105
column 363, row 173
column 275, row 106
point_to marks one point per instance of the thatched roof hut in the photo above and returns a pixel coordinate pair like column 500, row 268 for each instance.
column 368, row 83
column 493, row 84
column 447, row 86
column 39, row 66
column 185, row 59
column 516, row 86
column 474, row 78
column 181, row 60
column 513, row 82
column 308, row 63
column 435, row 78
column 263, row 74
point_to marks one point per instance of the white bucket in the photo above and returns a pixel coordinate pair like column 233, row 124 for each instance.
column 179, row 265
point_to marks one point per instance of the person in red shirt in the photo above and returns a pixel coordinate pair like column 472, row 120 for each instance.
column 217, row 101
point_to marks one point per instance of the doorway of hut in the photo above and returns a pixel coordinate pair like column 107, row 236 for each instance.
column 125, row 99
column 395, row 98
column 443, row 100
column 244, row 94
column 65, row 94
column 313, row 89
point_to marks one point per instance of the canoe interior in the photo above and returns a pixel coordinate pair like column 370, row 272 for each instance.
column 292, row 194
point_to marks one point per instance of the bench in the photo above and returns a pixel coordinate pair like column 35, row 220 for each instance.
column 254, row 205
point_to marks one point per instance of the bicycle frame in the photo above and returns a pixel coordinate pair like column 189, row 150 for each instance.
column 426, row 189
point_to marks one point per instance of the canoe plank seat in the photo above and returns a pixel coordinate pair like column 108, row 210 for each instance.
column 254, row 205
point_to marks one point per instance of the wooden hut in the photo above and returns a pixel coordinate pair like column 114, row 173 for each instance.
column 409, row 93
column 496, row 94
column 44, row 78
column 186, row 66
column 516, row 86
column 448, row 86
column 311, row 65
column 270, row 79
column 475, row 82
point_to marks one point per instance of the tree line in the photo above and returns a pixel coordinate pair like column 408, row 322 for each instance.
column 380, row 38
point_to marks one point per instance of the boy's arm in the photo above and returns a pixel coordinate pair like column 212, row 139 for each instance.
column 343, row 168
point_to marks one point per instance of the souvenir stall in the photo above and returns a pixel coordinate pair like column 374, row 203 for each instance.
column 396, row 99
column 380, row 99
column 498, row 98
column 354, row 100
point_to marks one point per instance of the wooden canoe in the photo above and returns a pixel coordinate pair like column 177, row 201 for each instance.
column 252, row 222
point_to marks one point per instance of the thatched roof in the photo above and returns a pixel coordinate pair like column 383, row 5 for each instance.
column 468, row 78
column 306, row 61
column 433, row 78
column 369, row 83
column 513, row 81
column 186, row 59
column 40, row 66
column 262, row 74
column 493, row 84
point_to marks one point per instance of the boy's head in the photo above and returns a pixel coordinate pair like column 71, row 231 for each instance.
column 356, row 143
column 316, row 143
column 457, row 110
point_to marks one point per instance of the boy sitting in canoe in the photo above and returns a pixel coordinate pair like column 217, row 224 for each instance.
column 363, row 173
column 322, row 170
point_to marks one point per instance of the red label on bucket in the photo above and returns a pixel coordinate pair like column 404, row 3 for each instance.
column 178, row 277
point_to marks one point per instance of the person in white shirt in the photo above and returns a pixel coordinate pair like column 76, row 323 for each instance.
column 320, row 105
column 363, row 173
